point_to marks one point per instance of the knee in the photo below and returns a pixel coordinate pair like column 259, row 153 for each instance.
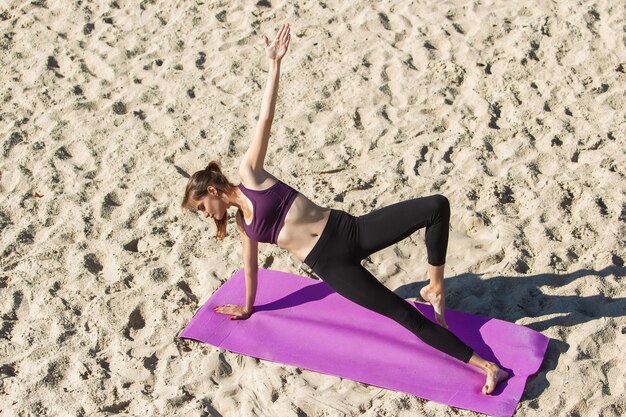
column 442, row 206
column 410, row 318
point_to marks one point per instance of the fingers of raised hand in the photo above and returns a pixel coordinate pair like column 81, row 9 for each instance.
column 283, row 34
column 281, row 30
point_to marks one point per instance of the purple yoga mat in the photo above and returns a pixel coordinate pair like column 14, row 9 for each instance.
column 302, row 322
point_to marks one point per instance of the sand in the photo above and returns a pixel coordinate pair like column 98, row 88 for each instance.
column 514, row 111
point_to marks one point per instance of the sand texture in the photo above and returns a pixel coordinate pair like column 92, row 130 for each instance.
column 512, row 110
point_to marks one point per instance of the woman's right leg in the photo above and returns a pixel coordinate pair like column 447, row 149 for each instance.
column 357, row 284
column 351, row 280
column 334, row 259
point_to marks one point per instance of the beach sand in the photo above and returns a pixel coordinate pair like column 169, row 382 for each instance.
column 515, row 112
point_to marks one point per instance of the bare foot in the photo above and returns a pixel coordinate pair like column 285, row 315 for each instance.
column 495, row 375
column 438, row 301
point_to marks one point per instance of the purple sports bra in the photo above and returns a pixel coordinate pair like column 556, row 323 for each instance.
column 270, row 209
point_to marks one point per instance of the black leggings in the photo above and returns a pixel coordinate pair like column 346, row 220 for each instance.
column 346, row 240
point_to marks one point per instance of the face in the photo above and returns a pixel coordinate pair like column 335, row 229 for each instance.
column 211, row 206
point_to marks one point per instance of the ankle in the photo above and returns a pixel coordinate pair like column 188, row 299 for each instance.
column 490, row 366
column 435, row 288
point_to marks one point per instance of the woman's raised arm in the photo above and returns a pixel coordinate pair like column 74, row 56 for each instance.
column 275, row 51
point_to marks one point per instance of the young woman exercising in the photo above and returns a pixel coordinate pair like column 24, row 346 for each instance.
column 331, row 242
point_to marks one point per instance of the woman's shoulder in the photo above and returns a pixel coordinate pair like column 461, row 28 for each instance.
column 256, row 180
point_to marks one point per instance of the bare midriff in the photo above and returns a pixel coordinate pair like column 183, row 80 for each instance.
column 303, row 227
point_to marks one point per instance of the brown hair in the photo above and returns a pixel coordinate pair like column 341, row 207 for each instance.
column 197, row 188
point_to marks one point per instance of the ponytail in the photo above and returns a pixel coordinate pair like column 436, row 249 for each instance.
column 214, row 166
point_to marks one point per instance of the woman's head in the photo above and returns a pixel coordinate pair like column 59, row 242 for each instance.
column 205, row 191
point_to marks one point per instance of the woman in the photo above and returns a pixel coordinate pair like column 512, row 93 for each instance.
column 331, row 242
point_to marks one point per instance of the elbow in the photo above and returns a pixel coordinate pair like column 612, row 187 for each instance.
column 251, row 270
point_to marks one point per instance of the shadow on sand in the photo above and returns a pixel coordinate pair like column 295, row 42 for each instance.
column 512, row 298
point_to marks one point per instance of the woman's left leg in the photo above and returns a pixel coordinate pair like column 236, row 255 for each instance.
column 388, row 225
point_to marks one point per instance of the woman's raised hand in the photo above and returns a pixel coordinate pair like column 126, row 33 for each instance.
column 278, row 48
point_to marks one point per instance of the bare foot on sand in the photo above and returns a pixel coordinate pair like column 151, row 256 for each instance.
column 437, row 299
column 495, row 375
